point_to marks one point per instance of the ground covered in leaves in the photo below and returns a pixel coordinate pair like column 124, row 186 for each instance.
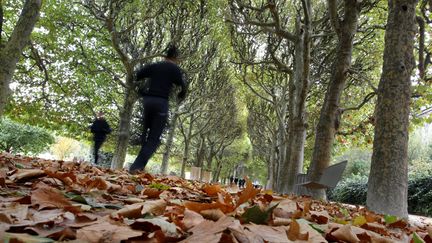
column 47, row 201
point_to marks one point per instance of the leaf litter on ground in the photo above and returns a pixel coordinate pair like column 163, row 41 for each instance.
column 62, row 201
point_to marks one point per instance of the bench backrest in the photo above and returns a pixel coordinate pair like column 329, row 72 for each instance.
column 332, row 174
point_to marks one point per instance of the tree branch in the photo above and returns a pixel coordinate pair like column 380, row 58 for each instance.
column 365, row 100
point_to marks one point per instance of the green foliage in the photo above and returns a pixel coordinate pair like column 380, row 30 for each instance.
column 159, row 186
column 420, row 195
column 20, row 138
column 352, row 191
column 258, row 216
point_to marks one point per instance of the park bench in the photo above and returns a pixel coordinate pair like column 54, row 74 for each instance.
column 329, row 179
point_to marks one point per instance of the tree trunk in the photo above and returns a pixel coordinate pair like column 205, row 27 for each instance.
column 10, row 51
column 185, row 158
column 329, row 116
column 388, row 178
column 123, row 130
column 270, row 170
column 298, row 122
column 170, row 139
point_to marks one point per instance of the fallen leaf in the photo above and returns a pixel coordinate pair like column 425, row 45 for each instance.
column 130, row 211
column 248, row 193
column 257, row 216
column 156, row 207
column 48, row 197
column 15, row 237
column 106, row 232
column 212, row 190
column 268, row 233
column 359, row 220
column 294, row 234
column 151, row 192
column 14, row 213
column 192, row 219
column 22, row 174
column 345, row 233
column 212, row 214
column 169, row 229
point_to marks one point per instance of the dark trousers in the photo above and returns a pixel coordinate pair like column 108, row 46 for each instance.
column 97, row 145
column 155, row 119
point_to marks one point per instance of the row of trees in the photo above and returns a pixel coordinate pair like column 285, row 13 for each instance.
column 295, row 79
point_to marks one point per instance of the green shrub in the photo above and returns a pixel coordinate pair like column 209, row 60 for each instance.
column 20, row 138
column 354, row 191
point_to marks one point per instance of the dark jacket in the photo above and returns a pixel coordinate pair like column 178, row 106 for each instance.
column 100, row 129
column 157, row 79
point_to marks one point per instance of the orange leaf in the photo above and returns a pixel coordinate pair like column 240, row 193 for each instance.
column 293, row 232
column 67, row 178
column 248, row 193
column 198, row 207
column 212, row 190
column 98, row 183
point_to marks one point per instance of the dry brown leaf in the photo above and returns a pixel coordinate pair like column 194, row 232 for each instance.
column 285, row 209
column 48, row 197
column 320, row 217
column 377, row 228
column 67, row 178
column 151, row 192
column 198, row 207
column 268, row 233
column 106, row 232
column 210, row 227
column 345, row 233
column 209, row 231
column 212, row 214
column 192, row 219
column 22, row 174
column 212, row 190
column 98, row 183
column 13, row 213
column 132, row 211
column 156, row 207
column 244, row 236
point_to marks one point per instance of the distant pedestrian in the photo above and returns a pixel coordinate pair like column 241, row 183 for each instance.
column 236, row 180
column 100, row 129
column 154, row 82
column 231, row 179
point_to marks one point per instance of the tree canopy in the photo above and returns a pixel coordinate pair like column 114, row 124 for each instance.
column 275, row 87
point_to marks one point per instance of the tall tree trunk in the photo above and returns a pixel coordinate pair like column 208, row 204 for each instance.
column 123, row 130
column 185, row 158
column 270, row 170
column 170, row 139
column 10, row 51
column 330, row 113
column 298, row 120
column 388, row 178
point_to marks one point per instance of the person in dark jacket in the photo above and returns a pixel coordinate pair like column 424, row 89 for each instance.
column 100, row 129
column 154, row 82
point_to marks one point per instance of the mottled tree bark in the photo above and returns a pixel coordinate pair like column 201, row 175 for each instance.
column 298, row 120
column 325, row 131
column 388, row 178
column 11, row 50
column 123, row 130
